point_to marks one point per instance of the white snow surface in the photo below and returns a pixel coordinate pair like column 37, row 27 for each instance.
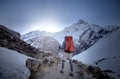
column 34, row 34
column 12, row 65
column 107, row 47
column 75, row 30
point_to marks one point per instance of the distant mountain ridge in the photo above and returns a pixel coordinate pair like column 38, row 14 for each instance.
column 85, row 35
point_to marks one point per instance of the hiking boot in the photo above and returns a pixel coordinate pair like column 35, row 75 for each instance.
column 61, row 71
column 71, row 74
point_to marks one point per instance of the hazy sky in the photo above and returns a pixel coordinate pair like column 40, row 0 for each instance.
column 53, row 15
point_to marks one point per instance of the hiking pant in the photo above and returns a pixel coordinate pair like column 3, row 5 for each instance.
column 67, row 56
column 71, row 65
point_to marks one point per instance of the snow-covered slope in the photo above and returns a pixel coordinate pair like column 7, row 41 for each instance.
column 76, row 30
column 81, row 31
column 34, row 34
column 45, row 43
column 105, row 53
column 42, row 40
column 12, row 65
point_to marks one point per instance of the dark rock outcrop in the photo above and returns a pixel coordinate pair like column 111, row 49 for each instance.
column 97, row 73
column 11, row 40
column 41, row 64
column 34, row 67
column 11, row 32
column 90, row 72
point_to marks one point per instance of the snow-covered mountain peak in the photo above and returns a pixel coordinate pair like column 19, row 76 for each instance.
column 81, row 21
column 83, row 32
column 76, row 30
column 81, row 25
column 35, row 34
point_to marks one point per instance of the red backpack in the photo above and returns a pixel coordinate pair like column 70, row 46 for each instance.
column 69, row 44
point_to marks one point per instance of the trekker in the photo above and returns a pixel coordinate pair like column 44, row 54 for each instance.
column 68, row 49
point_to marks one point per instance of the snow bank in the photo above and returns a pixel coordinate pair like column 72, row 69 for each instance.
column 12, row 65
column 108, row 48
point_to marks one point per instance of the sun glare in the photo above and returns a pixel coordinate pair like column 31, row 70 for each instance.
column 48, row 26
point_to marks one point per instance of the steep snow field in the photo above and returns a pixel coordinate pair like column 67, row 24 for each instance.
column 12, row 65
column 106, row 52
column 75, row 30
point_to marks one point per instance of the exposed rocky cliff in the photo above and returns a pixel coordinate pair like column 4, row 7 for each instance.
column 11, row 40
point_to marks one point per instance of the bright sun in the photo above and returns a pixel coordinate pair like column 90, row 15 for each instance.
column 48, row 26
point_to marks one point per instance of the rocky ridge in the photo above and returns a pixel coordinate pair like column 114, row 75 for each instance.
column 11, row 40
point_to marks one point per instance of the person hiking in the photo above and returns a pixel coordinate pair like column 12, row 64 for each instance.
column 68, row 49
